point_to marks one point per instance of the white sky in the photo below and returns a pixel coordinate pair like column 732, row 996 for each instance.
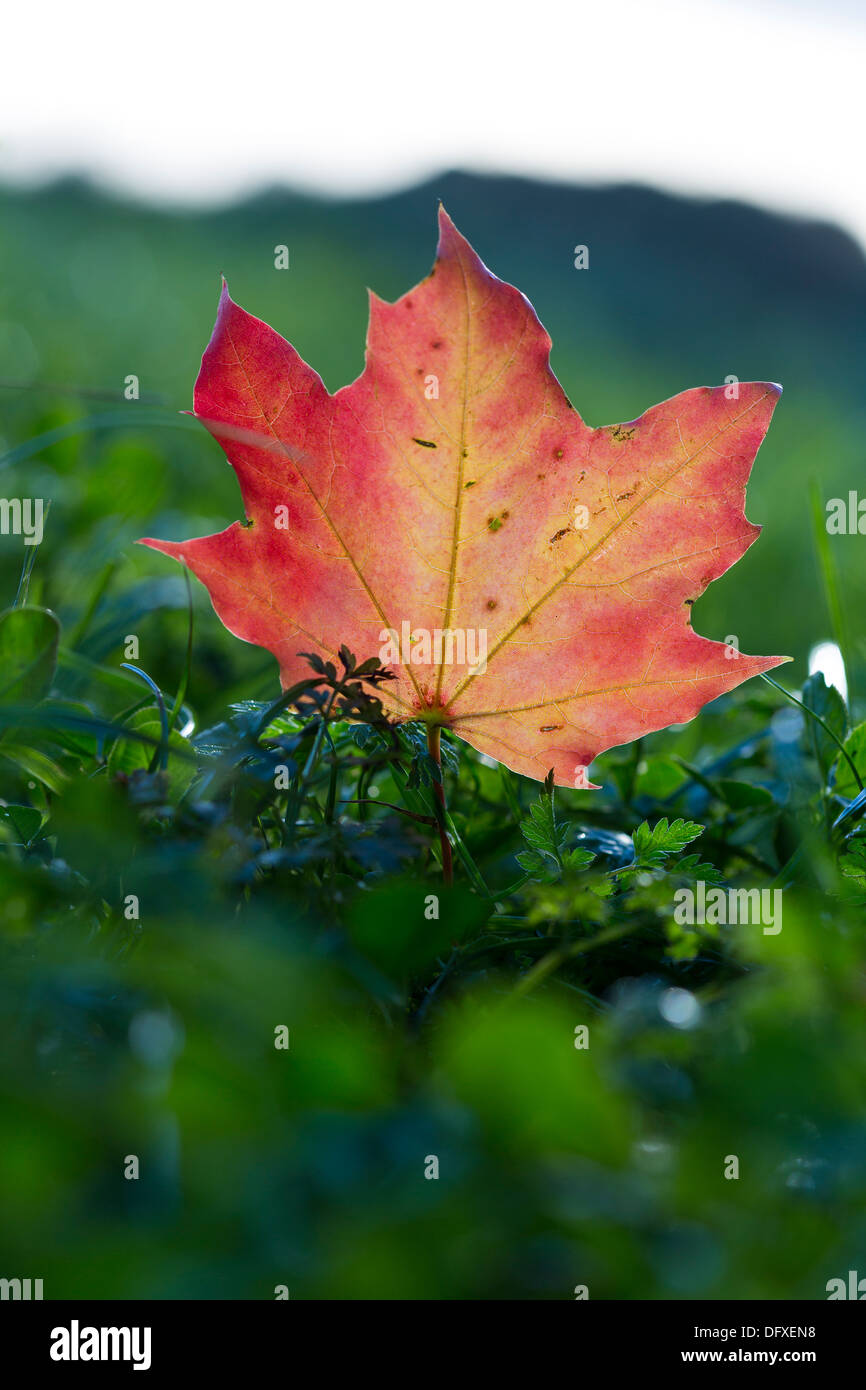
column 198, row 102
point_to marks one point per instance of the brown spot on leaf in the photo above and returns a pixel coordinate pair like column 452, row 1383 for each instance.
column 549, row 728
column 559, row 535
column 425, row 443
column 491, row 603
column 621, row 434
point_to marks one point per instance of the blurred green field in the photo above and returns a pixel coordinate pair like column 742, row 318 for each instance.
column 410, row 1039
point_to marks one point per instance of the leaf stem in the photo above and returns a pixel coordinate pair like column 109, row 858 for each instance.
column 829, row 575
column 160, row 755
column 433, row 747
column 184, row 680
column 374, row 801
column 824, row 725
column 554, row 959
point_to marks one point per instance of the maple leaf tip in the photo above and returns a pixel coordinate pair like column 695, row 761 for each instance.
column 173, row 549
column 769, row 663
column 448, row 232
column 770, row 388
column 225, row 302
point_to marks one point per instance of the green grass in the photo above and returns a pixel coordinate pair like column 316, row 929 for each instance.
column 172, row 900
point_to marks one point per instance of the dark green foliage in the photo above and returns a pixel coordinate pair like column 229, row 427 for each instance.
column 284, row 862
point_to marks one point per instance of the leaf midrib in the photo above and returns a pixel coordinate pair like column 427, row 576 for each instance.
column 458, row 501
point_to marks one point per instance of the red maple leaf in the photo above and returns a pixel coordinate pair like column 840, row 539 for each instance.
column 528, row 579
